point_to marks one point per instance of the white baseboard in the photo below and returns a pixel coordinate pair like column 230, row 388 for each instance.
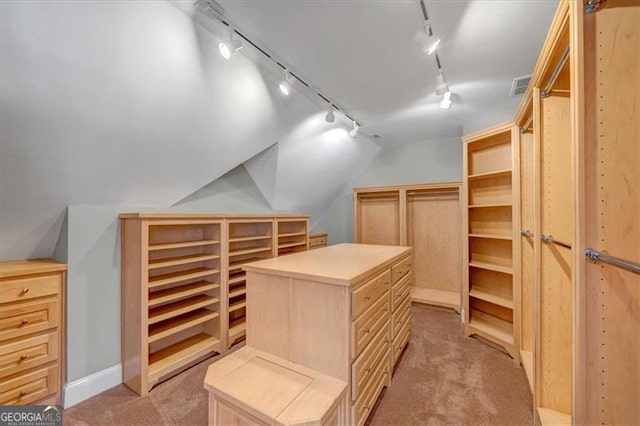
column 86, row 387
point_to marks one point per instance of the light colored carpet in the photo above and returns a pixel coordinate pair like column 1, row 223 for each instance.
column 443, row 378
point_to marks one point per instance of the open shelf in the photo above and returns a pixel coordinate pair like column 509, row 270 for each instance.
column 492, row 267
column 553, row 417
column 236, row 266
column 175, row 277
column 492, row 326
column 181, row 354
column 237, row 279
column 480, row 206
column 487, row 296
column 249, row 251
column 181, row 260
column 492, row 236
column 238, row 291
column 175, row 293
column 488, row 175
column 185, row 244
column 237, row 328
column 291, row 234
column 429, row 296
column 177, row 324
column 282, row 246
column 250, row 238
column 237, row 305
column 180, row 307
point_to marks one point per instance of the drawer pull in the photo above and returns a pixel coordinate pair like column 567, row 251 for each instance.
column 366, row 331
column 23, row 357
column 386, row 283
column 24, row 322
column 366, row 407
column 366, row 370
column 23, row 392
column 25, row 290
column 386, row 371
column 367, row 298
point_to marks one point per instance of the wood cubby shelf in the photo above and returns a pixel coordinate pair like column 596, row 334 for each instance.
column 488, row 175
column 492, row 267
column 183, row 288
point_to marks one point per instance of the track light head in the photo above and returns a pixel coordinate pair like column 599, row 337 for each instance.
column 354, row 131
column 228, row 48
column 330, row 117
column 445, row 103
column 441, row 84
column 285, row 85
column 434, row 45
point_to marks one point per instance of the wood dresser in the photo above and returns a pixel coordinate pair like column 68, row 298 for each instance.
column 342, row 310
column 32, row 331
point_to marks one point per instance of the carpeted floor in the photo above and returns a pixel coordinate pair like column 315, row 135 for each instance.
column 443, row 378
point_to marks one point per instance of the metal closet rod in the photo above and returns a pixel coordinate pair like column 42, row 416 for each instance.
column 556, row 71
column 549, row 239
column 597, row 256
column 212, row 5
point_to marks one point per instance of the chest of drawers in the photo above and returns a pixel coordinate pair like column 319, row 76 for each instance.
column 340, row 310
column 31, row 331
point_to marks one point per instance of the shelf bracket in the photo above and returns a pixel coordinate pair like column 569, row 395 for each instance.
column 594, row 5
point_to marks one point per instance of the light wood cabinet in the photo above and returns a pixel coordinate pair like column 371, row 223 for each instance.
column 426, row 217
column 183, row 288
column 32, row 297
column 490, row 198
column 331, row 310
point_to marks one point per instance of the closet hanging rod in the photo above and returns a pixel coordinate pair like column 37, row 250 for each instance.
column 526, row 125
column 597, row 256
column 549, row 239
column 556, row 72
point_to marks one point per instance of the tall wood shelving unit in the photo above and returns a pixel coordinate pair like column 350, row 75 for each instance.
column 183, row 288
column 490, row 191
column 426, row 217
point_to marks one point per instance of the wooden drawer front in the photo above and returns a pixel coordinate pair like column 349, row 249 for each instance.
column 367, row 326
column 401, row 269
column 400, row 316
column 27, row 353
column 318, row 242
column 29, row 387
column 29, row 317
column 363, row 405
column 400, row 290
column 363, row 368
column 29, row 288
column 369, row 293
column 401, row 340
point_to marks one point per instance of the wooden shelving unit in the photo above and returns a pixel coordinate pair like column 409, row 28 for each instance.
column 490, row 197
column 183, row 288
column 426, row 217
column 293, row 236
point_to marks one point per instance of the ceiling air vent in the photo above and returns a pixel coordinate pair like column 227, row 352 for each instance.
column 519, row 85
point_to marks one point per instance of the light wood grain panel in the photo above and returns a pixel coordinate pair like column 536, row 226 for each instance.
column 526, row 242
column 379, row 220
column 555, row 358
column 611, row 372
column 434, row 228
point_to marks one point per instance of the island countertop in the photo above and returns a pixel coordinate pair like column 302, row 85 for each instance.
column 341, row 264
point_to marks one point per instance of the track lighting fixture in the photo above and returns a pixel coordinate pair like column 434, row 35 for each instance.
column 445, row 103
column 285, row 85
column 434, row 45
column 330, row 117
column 229, row 47
column 428, row 40
column 441, row 84
column 354, row 131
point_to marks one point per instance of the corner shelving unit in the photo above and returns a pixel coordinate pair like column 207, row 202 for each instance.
column 489, row 199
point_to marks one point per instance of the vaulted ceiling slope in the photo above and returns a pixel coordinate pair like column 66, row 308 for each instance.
column 363, row 55
column 129, row 103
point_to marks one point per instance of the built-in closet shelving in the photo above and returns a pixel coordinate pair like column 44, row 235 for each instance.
column 248, row 241
column 183, row 287
column 489, row 227
column 426, row 217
